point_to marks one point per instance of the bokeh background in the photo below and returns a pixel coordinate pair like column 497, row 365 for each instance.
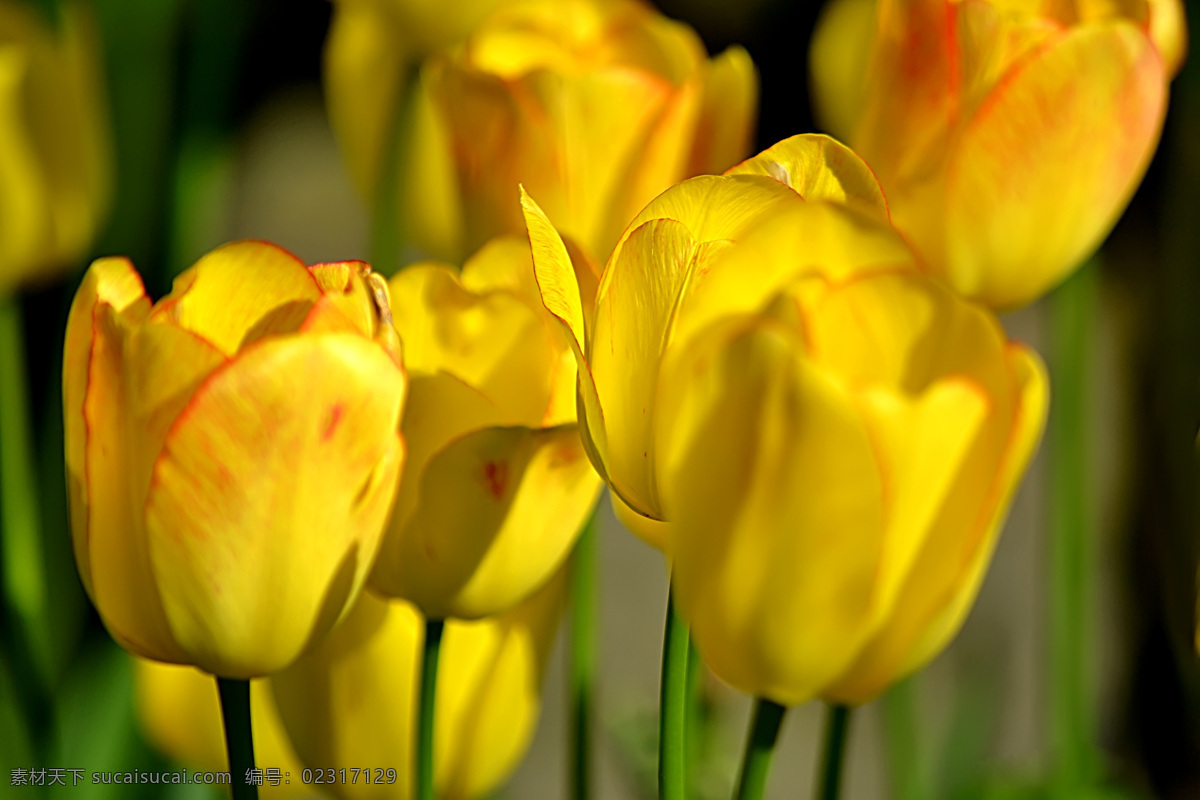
column 221, row 134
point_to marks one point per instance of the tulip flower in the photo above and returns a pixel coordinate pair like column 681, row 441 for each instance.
column 55, row 157
column 1008, row 136
column 595, row 105
column 232, row 452
column 350, row 701
column 181, row 717
column 827, row 437
column 497, row 486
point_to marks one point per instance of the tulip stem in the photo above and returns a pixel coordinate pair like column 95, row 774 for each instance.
column 425, row 713
column 837, row 726
column 239, row 741
column 760, row 747
column 583, row 657
column 1073, row 312
column 673, row 700
column 20, row 523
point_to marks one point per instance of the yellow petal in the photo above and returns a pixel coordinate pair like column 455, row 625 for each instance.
column 820, row 168
column 560, row 288
column 106, row 527
column 946, row 576
column 363, row 68
column 24, row 228
column 1168, row 31
column 180, row 714
column 912, row 89
column 776, row 508
column 350, row 701
column 239, row 293
column 342, row 288
column 653, row 532
column 905, row 332
column 439, row 409
column 1048, row 163
column 793, row 242
column 66, row 108
column 271, row 493
column 725, row 129
column 921, row 443
column 837, row 62
column 492, row 341
column 498, row 513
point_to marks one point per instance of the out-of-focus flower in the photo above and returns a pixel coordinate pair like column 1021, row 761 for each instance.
column 595, row 105
column 55, row 152
column 829, row 437
column 350, row 701
column 180, row 715
column 1008, row 134
column 232, row 453
column 497, row 485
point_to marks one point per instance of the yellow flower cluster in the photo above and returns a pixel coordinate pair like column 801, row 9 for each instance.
column 788, row 374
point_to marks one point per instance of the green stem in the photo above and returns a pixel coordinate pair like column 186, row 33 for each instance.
column 583, row 657
column 20, row 524
column 1073, row 312
column 900, row 723
column 760, row 747
column 387, row 229
column 696, row 714
column 837, row 726
column 239, row 741
column 672, row 719
column 425, row 709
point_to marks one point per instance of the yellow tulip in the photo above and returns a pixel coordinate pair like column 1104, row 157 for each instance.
column 55, row 153
column 180, row 715
column 232, row 452
column 827, row 438
column 595, row 105
column 1009, row 135
column 497, row 485
column 350, row 702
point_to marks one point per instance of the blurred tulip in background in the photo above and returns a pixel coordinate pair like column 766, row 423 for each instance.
column 55, row 149
column 1008, row 136
column 350, row 702
column 232, row 453
column 595, row 105
column 180, row 715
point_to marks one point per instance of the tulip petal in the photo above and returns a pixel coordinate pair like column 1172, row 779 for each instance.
column 499, row 511
column 1047, row 164
column 342, row 288
column 653, row 532
column 776, row 508
column 363, row 67
column 725, row 129
column 180, row 714
column 560, row 289
column 240, row 293
column 820, row 168
column 921, row 444
column 271, row 493
column 947, row 575
column 908, row 333
column 837, row 63
column 25, row 196
column 493, row 341
column 1168, row 31
column 111, row 553
column 439, row 409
